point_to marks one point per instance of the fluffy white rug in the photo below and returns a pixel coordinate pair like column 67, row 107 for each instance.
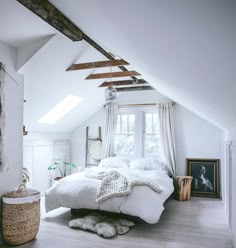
column 103, row 225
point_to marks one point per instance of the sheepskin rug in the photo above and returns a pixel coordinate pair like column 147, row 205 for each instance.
column 105, row 226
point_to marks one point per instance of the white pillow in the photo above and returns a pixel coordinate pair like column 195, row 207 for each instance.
column 114, row 162
column 147, row 164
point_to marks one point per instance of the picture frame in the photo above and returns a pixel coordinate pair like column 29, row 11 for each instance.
column 205, row 173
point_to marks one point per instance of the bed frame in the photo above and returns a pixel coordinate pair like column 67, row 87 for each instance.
column 79, row 213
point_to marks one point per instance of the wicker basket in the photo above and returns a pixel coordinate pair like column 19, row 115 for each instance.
column 21, row 215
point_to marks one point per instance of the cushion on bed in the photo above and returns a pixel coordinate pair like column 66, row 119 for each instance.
column 114, row 162
column 147, row 164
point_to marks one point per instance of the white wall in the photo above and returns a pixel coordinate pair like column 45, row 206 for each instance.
column 230, row 134
column 38, row 155
column 231, row 179
column 10, row 179
column 45, row 138
column 195, row 137
column 78, row 137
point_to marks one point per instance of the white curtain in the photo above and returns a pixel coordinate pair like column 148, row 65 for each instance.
column 167, row 134
column 111, row 111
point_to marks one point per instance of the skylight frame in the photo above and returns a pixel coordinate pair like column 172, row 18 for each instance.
column 61, row 109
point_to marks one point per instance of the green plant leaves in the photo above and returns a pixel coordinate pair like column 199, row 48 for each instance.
column 62, row 166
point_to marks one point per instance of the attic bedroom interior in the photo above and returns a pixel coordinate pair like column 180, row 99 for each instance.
column 118, row 123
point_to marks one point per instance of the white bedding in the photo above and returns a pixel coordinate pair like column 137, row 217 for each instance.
column 78, row 191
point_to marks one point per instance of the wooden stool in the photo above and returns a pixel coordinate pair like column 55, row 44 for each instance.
column 182, row 188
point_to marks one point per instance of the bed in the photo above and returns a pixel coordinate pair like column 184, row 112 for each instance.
column 80, row 191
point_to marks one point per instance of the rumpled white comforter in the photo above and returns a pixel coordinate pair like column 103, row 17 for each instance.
column 78, row 191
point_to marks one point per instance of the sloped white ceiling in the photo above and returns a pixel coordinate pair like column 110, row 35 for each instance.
column 185, row 49
column 47, row 83
column 18, row 26
column 26, row 52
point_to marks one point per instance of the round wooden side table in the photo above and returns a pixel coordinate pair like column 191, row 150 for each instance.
column 182, row 186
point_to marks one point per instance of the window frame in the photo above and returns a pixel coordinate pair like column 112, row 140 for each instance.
column 139, row 130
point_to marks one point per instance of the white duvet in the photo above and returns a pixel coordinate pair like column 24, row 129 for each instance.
column 78, row 191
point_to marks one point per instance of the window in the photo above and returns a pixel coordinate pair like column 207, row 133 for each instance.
column 62, row 108
column 151, row 135
column 125, row 131
column 137, row 133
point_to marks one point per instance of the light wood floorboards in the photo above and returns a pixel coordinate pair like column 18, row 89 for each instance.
column 193, row 224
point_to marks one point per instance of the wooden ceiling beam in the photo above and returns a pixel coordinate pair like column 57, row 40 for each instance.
column 50, row 14
column 123, row 83
column 113, row 74
column 97, row 64
column 138, row 88
column 102, row 51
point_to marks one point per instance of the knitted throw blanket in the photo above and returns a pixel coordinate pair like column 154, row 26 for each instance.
column 114, row 184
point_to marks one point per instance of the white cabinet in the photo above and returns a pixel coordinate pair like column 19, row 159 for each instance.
column 38, row 154
column 42, row 159
column 36, row 158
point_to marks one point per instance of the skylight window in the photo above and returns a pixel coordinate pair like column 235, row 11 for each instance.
column 62, row 108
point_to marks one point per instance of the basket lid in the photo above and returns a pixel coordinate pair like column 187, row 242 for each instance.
column 21, row 192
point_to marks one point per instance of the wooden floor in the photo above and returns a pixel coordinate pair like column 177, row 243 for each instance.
column 193, row 224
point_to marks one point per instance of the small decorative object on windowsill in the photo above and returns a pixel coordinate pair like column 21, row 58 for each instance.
column 182, row 188
column 20, row 215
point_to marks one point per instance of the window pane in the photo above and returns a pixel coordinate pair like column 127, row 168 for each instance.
column 148, row 123
column 151, row 144
column 124, row 119
column 131, row 123
column 118, row 124
column 155, row 124
column 124, row 140
column 124, row 144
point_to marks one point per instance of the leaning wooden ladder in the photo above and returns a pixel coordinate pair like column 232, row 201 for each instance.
column 88, row 138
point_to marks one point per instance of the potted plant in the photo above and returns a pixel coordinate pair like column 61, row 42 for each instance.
column 62, row 166
column 25, row 175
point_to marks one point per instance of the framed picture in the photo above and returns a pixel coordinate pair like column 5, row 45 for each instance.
column 205, row 173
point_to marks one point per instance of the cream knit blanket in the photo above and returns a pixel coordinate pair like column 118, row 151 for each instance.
column 115, row 184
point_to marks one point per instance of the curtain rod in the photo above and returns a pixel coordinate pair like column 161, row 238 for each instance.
column 1, row 68
column 142, row 104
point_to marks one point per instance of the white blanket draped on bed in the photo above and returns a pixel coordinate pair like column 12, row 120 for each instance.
column 79, row 191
